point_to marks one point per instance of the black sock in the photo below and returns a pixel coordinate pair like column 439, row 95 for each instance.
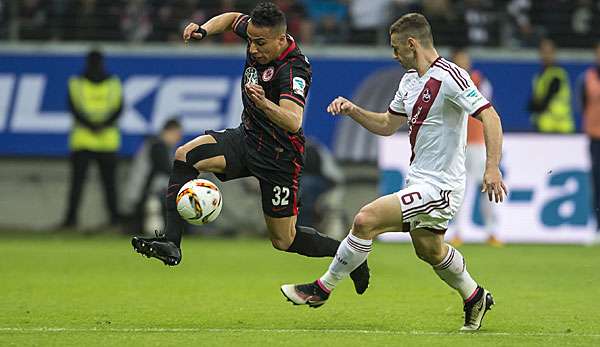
column 182, row 173
column 312, row 243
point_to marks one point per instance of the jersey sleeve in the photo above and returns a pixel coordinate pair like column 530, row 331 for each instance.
column 294, row 81
column 240, row 26
column 460, row 89
column 397, row 105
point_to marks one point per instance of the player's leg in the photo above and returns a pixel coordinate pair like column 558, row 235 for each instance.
column 280, row 208
column 200, row 154
column 449, row 264
column 203, row 153
column 79, row 167
column 381, row 215
column 107, row 163
column 287, row 236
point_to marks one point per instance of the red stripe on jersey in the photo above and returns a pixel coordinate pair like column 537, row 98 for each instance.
column 290, row 48
column 481, row 109
column 452, row 74
column 290, row 96
column 295, row 176
column 460, row 75
column 396, row 113
column 421, row 110
column 237, row 21
column 298, row 145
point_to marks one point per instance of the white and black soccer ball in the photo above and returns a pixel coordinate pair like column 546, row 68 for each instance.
column 199, row 202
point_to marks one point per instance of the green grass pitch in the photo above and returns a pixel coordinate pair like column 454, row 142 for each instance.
column 85, row 291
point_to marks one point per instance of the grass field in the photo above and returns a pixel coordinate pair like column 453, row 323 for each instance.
column 72, row 290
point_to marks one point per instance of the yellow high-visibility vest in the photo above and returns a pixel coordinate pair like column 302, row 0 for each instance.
column 97, row 102
column 558, row 117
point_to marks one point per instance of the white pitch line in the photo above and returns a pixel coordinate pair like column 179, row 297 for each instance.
column 285, row 331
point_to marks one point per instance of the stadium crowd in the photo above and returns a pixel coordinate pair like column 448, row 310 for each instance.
column 508, row 23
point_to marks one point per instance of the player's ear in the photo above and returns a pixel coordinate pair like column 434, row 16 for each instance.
column 412, row 43
column 283, row 38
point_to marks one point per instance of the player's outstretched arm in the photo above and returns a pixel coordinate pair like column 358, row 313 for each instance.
column 384, row 124
column 215, row 25
column 492, row 178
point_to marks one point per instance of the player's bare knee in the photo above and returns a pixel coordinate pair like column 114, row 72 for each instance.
column 281, row 239
column 281, row 244
column 364, row 225
column 427, row 255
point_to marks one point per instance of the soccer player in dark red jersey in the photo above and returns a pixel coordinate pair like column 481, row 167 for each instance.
column 269, row 144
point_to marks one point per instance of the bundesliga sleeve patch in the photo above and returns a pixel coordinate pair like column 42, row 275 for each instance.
column 298, row 85
column 473, row 96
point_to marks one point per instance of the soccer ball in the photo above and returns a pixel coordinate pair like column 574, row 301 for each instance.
column 199, row 202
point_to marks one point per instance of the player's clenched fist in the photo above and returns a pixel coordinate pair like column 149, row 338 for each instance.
column 341, row 105
column 191, row 31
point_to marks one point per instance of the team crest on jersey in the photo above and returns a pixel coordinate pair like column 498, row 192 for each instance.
column 250, row 76
column 426, row 95
column 268, row 74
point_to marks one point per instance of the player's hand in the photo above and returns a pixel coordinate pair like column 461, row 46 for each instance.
column 190, row 32
column 341, row 105
column 493, row 185
column 256, row 94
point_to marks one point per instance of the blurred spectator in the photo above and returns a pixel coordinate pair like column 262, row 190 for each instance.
column 95, row 101
column 590, row 101
column 329, row 20
column 480, row 18
column 93, row 20
column 475, row 158
column 552, row 18
column 295, row 14
column 584, row 22
column 148, row 180
column 446, row 23
column 571, row 23
column 550, row 102
column 135, row 21
column 369, row 21
column 58, row 10
column 33, row 18
column 320, row 177
column 165, row 26
column 521, row 31
column 4, row 19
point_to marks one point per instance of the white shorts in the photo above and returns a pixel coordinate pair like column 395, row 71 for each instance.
column 426, row 206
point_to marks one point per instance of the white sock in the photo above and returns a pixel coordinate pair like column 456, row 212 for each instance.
column 352, row 252
column 453, row 271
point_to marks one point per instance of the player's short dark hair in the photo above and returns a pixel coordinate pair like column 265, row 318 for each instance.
column 171, row 123
column 267, row 14
column 414, row 25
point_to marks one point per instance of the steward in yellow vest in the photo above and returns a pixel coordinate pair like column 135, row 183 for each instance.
column 96, row 101
column 550, row 103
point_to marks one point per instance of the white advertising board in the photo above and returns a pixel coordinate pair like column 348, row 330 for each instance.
column 548, row 180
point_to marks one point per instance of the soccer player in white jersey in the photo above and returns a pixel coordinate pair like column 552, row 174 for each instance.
column 435, row 96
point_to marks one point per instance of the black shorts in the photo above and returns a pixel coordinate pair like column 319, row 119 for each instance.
column 279, row 178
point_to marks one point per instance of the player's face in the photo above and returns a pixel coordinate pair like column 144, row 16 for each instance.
column 265, row 43
column 404, row 51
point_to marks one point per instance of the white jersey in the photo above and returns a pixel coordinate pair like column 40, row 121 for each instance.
column 437, row 105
